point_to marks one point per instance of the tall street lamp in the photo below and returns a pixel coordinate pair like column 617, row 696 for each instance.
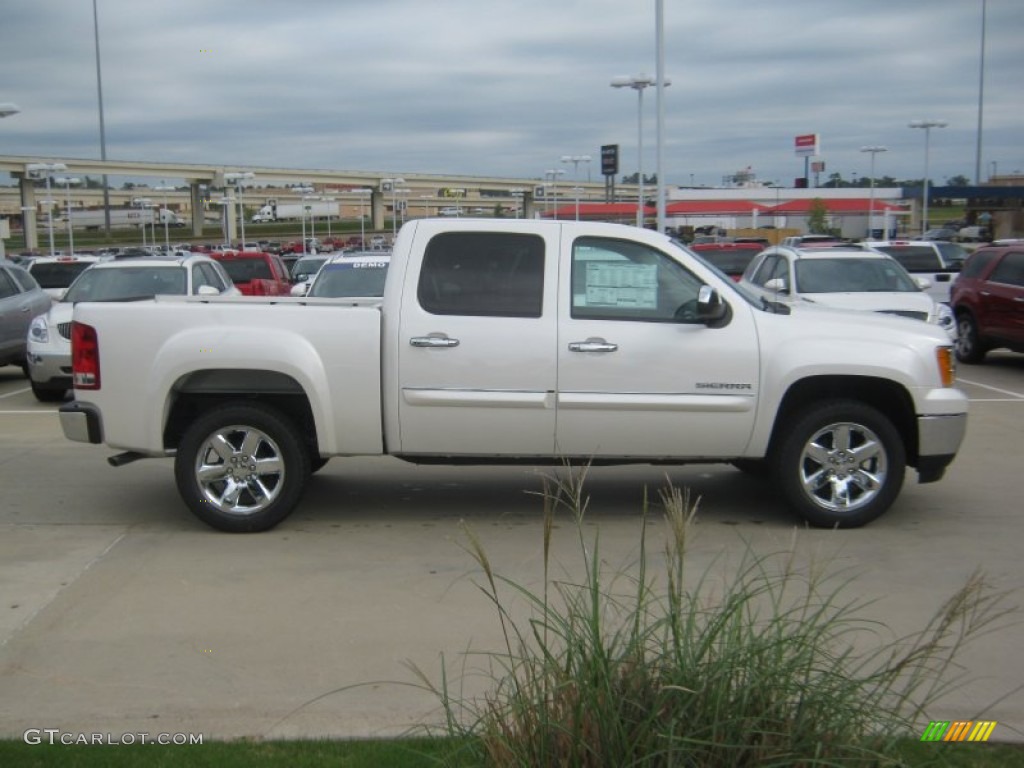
column 392, row 184
column 517, row 193
column 330, row 201
column 67, row 182
column 927, row 125
column 363, row 193
column 576, row 160
column 638, row 83
column 553, row 174
column 304, row 192
column 239, row 179
column 164, row 215
column 874, row 150
column 46, row 170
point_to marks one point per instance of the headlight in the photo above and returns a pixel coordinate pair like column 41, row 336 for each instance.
column 38, row 331
column 945, row 317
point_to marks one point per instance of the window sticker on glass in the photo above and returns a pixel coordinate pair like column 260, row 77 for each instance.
column 632, row 286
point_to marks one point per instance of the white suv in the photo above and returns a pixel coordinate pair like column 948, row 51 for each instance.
column 49, row 335
column 936, row 260
column 843, row 277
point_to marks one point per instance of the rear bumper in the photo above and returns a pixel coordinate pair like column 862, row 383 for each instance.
column 81, row 422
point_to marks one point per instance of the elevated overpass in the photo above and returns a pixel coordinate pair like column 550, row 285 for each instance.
column 420, row 189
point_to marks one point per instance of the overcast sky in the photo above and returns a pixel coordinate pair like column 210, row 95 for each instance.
column 489, row 88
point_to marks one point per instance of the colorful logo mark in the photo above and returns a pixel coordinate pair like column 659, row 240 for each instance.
column 958, row 730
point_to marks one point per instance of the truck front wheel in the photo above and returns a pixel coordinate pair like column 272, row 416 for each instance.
column 841, row 465
column 241, row 468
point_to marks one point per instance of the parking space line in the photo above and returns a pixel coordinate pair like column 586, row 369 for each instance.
column 15, row 392
column 994, row 389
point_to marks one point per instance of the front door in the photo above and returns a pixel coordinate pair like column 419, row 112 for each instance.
column 638, row 374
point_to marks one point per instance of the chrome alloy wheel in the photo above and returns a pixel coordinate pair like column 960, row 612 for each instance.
column 843, row 467
column 239, row 470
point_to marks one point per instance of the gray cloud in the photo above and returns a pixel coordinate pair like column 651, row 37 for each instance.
column 486, row 89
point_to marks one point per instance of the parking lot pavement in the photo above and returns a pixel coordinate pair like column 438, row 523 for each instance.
column 121, row 613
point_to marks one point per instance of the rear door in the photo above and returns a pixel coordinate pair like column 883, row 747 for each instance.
column 638, row 374
column 476, row 345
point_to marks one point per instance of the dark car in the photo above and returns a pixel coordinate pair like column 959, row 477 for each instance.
column 988, row 300
column 731, row 258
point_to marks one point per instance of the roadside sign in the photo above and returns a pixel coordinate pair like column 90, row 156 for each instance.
column 806, row 145
column 610, row 159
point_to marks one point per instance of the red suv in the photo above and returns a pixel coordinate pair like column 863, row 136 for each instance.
column 988, row 300
column 256, row 273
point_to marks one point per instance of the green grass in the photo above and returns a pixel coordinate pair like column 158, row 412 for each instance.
column 397, row 753
column 415, row 753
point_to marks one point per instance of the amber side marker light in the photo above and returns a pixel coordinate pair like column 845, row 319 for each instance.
column 947, row 365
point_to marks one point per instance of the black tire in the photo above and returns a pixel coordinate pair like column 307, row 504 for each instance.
column 256, row 478
column 841, row 465
column 44, row 395
column 969, row 348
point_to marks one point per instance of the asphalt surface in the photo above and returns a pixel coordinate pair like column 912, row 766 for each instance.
column 122, row 614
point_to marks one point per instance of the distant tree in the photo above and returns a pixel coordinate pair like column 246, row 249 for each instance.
column 128, row 185
column 816, row 220
column 958, row 181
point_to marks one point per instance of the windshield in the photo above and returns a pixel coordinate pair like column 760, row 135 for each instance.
column 116, row 284
column 341, row 279
column 307, row 266
column 852, row 275
column 58, row 274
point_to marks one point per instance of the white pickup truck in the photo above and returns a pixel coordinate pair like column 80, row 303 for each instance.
column 514, row 341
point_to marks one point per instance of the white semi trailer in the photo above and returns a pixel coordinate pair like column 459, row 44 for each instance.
column 123, row 217
column 274, row 211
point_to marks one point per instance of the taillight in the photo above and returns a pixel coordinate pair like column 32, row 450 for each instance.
column 85, row 356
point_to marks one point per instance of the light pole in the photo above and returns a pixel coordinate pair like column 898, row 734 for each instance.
column 239, row 179
column 328, row 200
column 576, row 160
column 393, row 185
column 517, row 193
column 874, row 150
column 553, row 174
column 46, row 170
column 927, row 125
column 146, row 205
column 362, row 192
column 67, row 182
column 303, row 191
column 638, row 83
column 164, row 215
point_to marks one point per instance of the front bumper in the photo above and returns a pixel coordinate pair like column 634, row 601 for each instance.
column 939, row 439
column 81, row 422
column 48, row 367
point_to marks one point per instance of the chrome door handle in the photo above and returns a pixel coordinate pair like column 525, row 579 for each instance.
column 433, row 341
column 592, row 345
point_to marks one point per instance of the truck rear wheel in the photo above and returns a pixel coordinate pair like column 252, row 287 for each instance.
column 241, row 468
column 841, row 465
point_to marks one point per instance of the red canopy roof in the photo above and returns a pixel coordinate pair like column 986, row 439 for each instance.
column 855, row 205
column 597, row 211
column 709, row 207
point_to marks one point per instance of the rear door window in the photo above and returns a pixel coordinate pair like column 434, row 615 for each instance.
column 497, row 274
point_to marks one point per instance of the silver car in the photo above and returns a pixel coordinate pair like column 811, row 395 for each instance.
column 21, row 300
column 49, row 335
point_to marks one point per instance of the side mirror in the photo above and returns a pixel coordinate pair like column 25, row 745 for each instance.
column 711, row 309
column 777, row 285
column 299, row 289
column 207, row 290
column 923, row 283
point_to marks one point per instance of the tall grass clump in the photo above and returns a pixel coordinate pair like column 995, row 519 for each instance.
column 764, row 665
